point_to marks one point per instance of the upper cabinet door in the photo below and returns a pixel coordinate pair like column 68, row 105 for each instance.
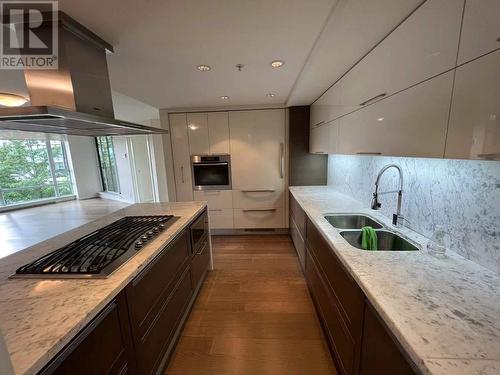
column 257, row 149
column 423, row 46
column 197, row 125
column 474, row 129
column 218, row 132
column 410, row 123
column 319, row 140
column 480, row 30
column 181, row 158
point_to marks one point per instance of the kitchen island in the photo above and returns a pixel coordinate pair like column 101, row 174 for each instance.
column 443, row 313
column 40, row 317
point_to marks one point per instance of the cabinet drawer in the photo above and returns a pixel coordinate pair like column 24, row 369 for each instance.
column 259, row 218
column 259, row 198
column 298, row 242
column 105, row 341
column 299, row 216
column 337, row 334
column 151, row 287
column 199, row 265
column 152, row 347
column 346, row 291
column 215, row 198
column 221, row 218
column 380, row 353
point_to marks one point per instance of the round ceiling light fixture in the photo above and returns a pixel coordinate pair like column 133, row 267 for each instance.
column 277, row 63
column 270, row 95
column 224, row 97
column 12, row 100
column 203, row 68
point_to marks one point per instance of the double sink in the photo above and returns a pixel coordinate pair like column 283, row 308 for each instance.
column 350, row 228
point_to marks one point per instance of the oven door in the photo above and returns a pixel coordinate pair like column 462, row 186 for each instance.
column 213, row 175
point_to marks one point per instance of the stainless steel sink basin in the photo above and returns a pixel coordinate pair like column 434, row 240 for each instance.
column 352, row 221
column 387, row 241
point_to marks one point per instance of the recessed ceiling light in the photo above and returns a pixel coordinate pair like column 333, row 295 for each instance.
column 12, row 100
column 271, row 95
column 203, row 68
column 277, row 63
column 224, row 97
column 380, row 119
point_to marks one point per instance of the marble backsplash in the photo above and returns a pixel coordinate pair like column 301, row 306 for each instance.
column 462, row 195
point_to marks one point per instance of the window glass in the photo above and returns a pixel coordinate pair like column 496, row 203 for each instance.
column 107, row 163
column 33, row 169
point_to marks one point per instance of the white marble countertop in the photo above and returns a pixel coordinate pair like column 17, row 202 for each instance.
column 39, row 317
column 444, row 312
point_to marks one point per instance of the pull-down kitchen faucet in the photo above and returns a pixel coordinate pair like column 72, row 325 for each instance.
column 397, row 219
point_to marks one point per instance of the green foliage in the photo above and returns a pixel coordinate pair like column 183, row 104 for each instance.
column 25, row 164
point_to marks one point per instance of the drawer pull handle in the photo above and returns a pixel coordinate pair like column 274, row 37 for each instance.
column 318, row 124
column 368, row 153
column 320, row 152
column 491, row 156
column 259, row 191
column 260, row 210
column 374, row 98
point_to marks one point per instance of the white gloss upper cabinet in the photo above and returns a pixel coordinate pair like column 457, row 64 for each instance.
column 218, row 132
column 411, row 123
column 197, row 125
column 257, row 149
column 319, row 139
column 474, row 128
column 480, row 30
column 324, row 109
column 423, row 46
column 181, row 157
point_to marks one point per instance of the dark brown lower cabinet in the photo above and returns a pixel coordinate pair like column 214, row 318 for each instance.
column 343, row 345
column 136, row 333
column 380, row 353
column 103, row 347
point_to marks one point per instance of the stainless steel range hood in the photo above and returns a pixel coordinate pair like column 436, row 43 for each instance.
column 76, row 98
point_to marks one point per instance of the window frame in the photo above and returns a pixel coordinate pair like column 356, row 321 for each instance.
column 113, row 166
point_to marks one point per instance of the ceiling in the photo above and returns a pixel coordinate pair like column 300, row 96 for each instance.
column 159, row 43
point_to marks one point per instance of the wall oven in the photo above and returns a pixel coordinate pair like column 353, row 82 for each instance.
column 211, row 172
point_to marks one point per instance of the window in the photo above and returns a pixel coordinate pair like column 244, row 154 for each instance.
column 33, row 168
column 107, row 163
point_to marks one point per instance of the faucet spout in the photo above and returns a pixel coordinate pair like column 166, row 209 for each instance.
column 397, row 219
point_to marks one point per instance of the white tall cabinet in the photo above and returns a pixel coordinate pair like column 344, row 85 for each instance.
column 256, row 141
column 258, row 168
column 181, row 157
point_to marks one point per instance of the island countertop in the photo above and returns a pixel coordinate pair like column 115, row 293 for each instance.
column 444, row 312
column 38, row 317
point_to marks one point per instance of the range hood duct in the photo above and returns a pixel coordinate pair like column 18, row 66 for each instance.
column 76, row 98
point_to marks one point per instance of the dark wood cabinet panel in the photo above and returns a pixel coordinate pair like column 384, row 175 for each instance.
column 154, row 284
column 380, row 352
column 151, row 348
column 199, row 265
column 298, row 215
column 298, row 243
column 343, row 345
column 345, row 289
column 103, row 347
column 305, row 169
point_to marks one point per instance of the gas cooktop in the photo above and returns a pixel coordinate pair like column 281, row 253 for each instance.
column 99, row 253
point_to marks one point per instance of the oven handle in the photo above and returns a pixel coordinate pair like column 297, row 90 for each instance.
column 260, row 210
column 209, row 164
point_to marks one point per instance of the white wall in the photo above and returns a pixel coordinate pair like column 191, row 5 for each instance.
column 85, row 165
column 129, row 109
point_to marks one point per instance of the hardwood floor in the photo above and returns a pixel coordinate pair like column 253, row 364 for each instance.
column 254, row 314
column 22, row 228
